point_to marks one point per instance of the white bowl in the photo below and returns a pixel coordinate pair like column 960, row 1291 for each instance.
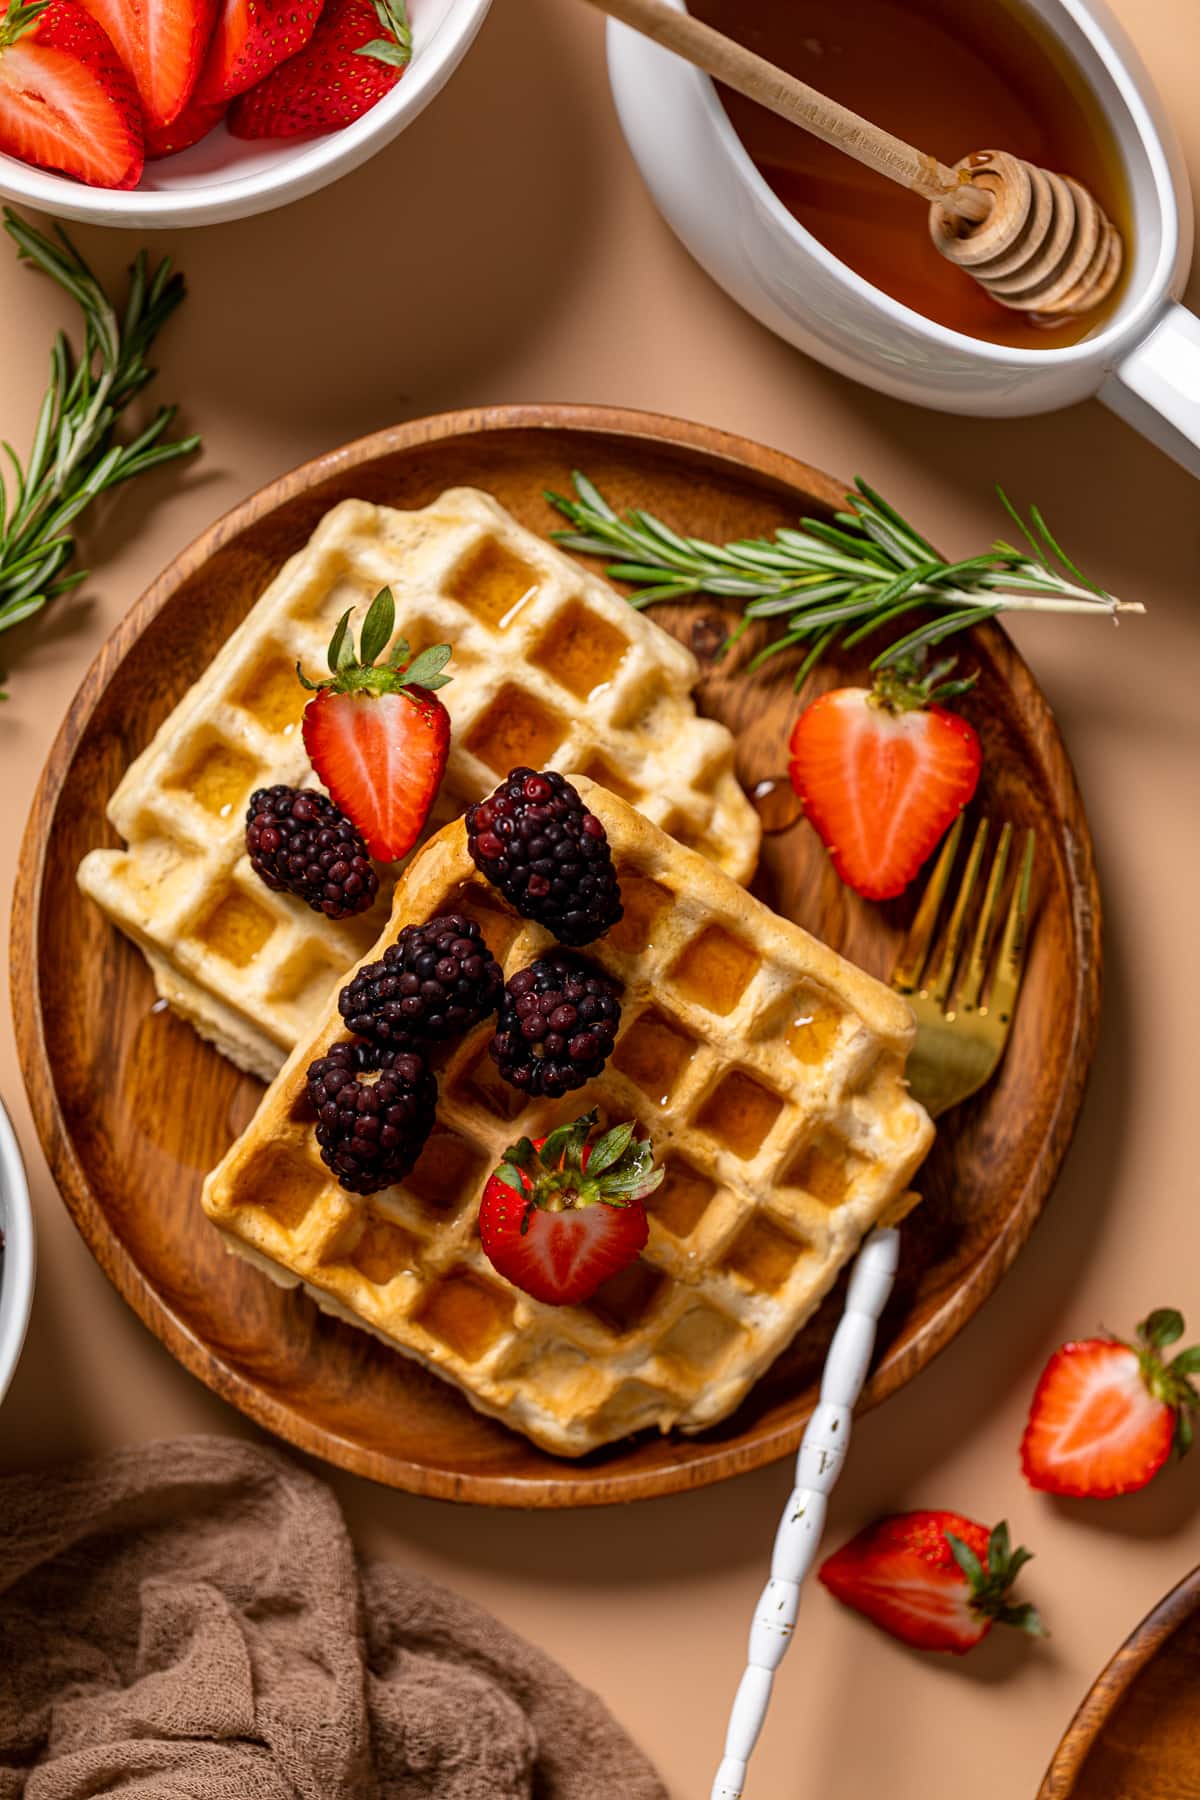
column 224, row 178
column 1144, row 362
column 16, row 1270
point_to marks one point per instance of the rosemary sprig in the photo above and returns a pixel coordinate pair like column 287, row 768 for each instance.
column 836, row 582
column 74, row 458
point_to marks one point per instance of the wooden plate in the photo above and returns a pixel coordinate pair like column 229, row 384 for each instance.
column 133, row 1109
column 1138, row 1732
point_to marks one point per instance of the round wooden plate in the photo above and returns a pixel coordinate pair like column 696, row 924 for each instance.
column 133, row 1109
column 1138, row 1730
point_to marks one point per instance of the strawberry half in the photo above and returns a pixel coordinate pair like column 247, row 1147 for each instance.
column 252, row 37
column 345, row 69
column 1105, row 1415
column 375, row 734
column 882, row 772
column 934, row 1580
column 565, row 1212
column 163, row 44
column 67, row 100
column 194, row 122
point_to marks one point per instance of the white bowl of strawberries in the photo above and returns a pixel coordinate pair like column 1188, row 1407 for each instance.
column 188, row 112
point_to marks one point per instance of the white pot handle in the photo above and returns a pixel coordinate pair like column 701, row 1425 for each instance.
column 1157, row 386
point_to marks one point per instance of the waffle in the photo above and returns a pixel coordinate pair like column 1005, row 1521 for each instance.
column 551, row 668
column 770, row 1076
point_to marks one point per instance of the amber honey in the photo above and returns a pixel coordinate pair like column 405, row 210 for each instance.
column 515, row 732
column 466, row 1314
column 715, row 969
column 654, row 1055
column 951, row 77
column 763, row 1256
column 582, row 652
column 493, row 584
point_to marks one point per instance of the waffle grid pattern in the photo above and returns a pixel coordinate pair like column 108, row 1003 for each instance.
column 552, row 668
column 769, row 1074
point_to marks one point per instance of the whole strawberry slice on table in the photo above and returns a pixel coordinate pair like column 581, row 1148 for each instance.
column 346, row 68
column 376, row 733
column 883, row 771
column 250, row 38
column 163, row 44
column 933, row 1579
column 67, row 100
column 565, row 1212
column 1106, row 1415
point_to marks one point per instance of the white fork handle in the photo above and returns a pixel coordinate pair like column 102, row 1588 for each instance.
column 818, row 1465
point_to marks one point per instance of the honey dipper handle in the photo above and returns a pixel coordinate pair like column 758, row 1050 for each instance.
column 793, row 99
column 818, row 1465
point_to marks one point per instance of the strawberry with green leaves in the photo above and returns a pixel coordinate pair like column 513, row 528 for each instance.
column 883, row 772
column 933, row 1579
column 376, row 733
column 565, row 1212
column 1106, row 1415
column 356, row 55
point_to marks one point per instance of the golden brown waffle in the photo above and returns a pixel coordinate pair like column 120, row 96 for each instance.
column 551, row 668
column 770, row 1076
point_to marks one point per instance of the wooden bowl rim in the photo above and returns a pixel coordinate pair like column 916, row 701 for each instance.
column 1113, row 1684
column 603, row 1485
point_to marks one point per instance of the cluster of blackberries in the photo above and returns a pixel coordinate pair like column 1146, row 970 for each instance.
column 374, row 1094
column 558, row 1020
column 548, row 854
column 299, row 842
column 434, row 982
column 374, row 1110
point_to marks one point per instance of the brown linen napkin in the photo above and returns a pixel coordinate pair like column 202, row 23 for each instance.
column 187, row 1621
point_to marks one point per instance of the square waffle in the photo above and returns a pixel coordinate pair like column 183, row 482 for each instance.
column 551, row 668
column 769, row 1074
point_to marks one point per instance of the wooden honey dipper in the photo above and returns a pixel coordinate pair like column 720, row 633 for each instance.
column 1033, row 240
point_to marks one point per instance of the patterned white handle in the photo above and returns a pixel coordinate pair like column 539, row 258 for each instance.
column 818, row 1465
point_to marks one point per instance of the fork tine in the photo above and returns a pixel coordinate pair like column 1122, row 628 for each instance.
column 945, row 975
column 968, row 996
column 1007, row 978
column 911, row 960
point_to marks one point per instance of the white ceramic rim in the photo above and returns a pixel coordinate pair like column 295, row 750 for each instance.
column 325, row 159
column 1129, row 323
column 16, row 1281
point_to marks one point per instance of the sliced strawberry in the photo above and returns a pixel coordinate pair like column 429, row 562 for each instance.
column 345, row 69
column 194, row 123
column 376, row 734
column 934, row 1580
column 564, row 1213
column 163, row 44
column 66, row 99
column 250, row 39
column 882, row 772
column 1106, row 1414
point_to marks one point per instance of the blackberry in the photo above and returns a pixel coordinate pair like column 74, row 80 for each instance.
column 558, row 1020
column 374, row 1109
column 537, row 842
column 298, row 842
column 435, row 981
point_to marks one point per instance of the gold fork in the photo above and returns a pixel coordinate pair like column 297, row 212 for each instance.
column 961, row 1033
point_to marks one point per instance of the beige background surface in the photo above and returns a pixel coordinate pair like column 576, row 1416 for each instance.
column 504, row 249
